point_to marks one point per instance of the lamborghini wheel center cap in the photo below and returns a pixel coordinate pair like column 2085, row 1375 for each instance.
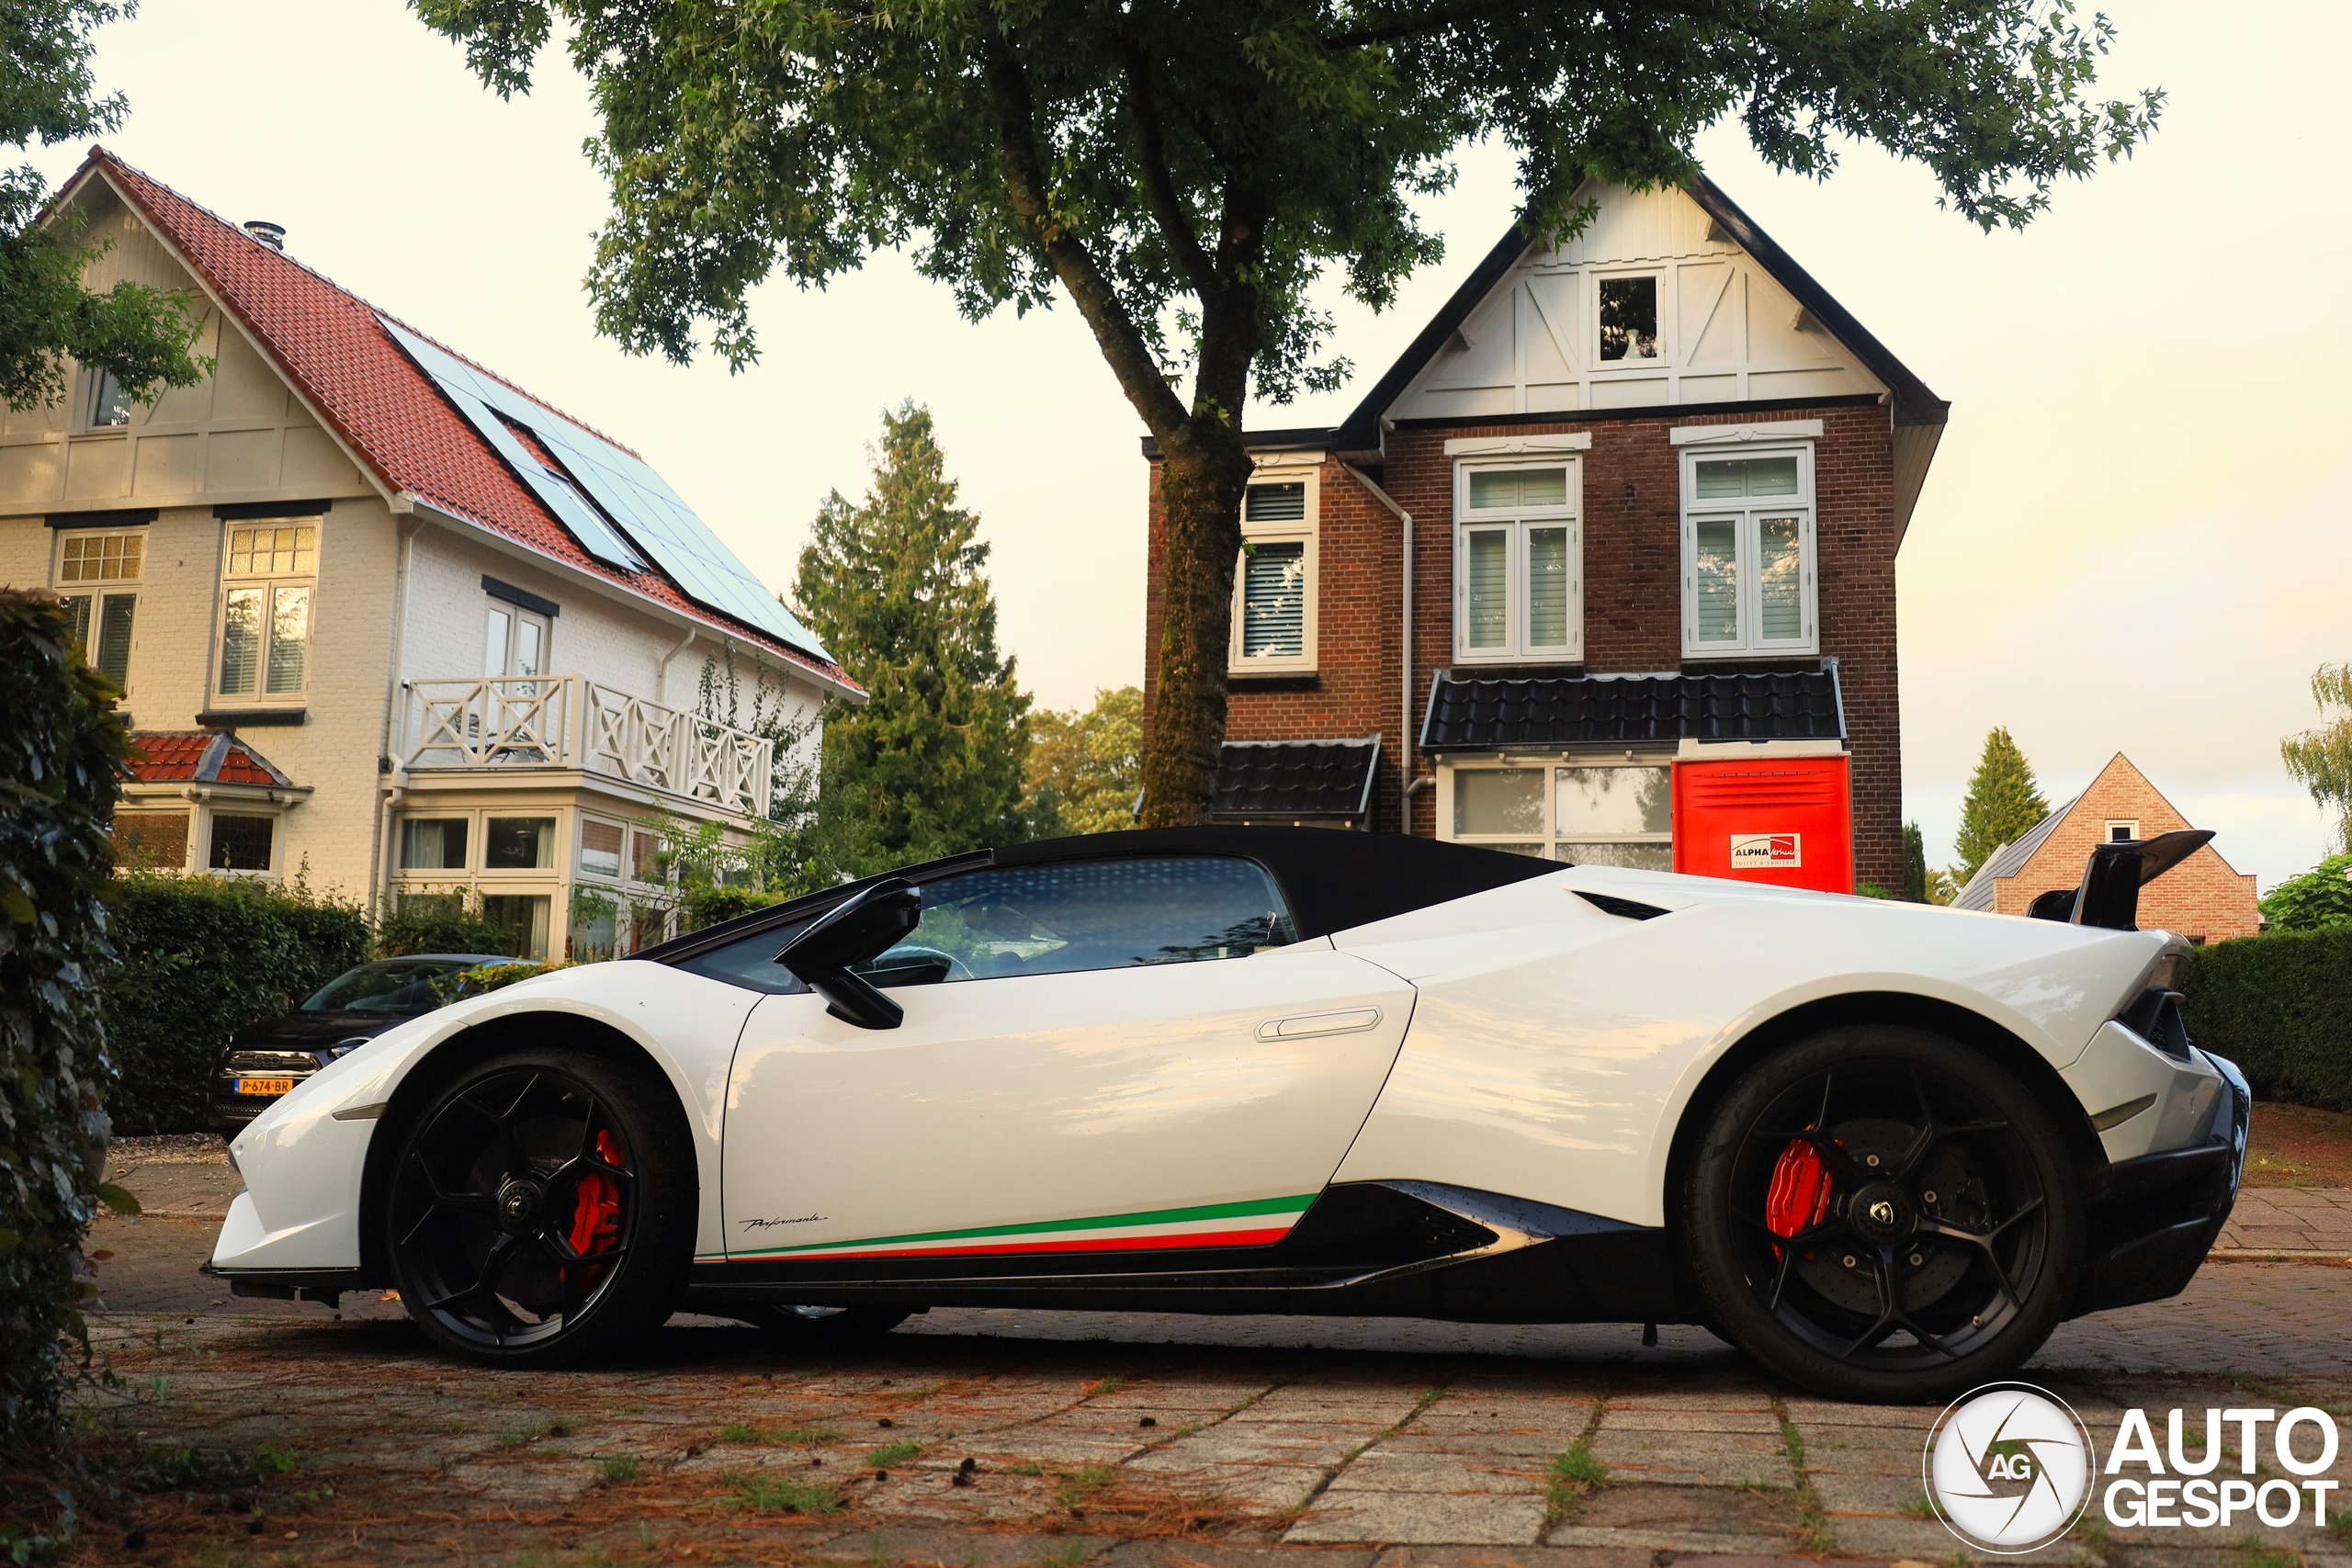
column 1883, row 1213
column 519, row 1203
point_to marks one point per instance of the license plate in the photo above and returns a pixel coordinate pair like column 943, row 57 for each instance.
column 264, row 1086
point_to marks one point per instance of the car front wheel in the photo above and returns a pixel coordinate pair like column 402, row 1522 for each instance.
column 541, row 1210
column 1883, row 1214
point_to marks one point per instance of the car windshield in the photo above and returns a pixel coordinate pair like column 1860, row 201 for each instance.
column 403, row 987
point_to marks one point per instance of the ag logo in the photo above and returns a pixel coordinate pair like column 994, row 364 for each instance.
column 1752, row 850
column 2008, row 1466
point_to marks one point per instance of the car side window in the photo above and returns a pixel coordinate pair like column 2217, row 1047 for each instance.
column 1097, row 914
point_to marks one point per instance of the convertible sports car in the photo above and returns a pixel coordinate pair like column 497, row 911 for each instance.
column 1883, row 1148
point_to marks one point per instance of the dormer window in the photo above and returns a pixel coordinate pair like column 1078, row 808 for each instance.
column 1628, row 320
column 109, row 404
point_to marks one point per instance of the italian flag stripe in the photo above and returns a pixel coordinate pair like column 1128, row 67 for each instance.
column 1252, row 1224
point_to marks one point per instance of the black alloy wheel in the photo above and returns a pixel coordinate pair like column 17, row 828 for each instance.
column 540, row 1211
column 1883, row 1214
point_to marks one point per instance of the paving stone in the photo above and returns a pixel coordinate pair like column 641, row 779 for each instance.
column 1380, row 1470
column 1216, row 1554
column 960, row 1549
column 1421, row 1517
column 1764, row 1421
column 1518, row 1557
column 1692, row 1459
column 1842, row 1494
column 1708, row 1542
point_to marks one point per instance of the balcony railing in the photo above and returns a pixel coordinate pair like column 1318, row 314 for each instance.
column 570, row 721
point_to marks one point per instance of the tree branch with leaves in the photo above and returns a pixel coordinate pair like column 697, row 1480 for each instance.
column 1185, row 171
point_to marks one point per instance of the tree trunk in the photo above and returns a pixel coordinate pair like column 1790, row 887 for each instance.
column 1202, row 478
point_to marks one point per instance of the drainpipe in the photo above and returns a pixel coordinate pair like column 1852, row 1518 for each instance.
column 1413, row 785
column 661, row 670
column 382, row 851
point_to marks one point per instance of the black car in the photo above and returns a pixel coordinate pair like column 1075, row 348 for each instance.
column 266, row 1060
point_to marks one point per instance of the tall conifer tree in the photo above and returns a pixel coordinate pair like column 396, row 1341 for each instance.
column 935, row 763
column 2002, row 802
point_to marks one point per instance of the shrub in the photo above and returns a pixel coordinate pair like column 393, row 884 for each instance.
column 436, row 923
column 201, row 957
column 2320, row 897
column 61, row 761
column 708, row 905
column 2280, row 1007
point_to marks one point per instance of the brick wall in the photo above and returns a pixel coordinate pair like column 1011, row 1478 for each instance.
column 1632, row 611
column 2202, row 897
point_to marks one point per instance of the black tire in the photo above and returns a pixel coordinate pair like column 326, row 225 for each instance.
column 542, row 1211
column 824, row 1327
column 1945, row 1244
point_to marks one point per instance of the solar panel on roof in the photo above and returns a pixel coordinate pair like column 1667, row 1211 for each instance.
column 469, row 393
column 626, row 487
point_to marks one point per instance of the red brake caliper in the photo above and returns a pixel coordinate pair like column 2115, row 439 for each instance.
column 597, row 1214
column 1800, row 1194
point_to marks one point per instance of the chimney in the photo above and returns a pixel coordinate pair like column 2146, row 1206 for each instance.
column 268, row 233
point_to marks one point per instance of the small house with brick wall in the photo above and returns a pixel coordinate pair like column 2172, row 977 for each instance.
column 380, row 618
column 1601, row 570
column 2202, row 897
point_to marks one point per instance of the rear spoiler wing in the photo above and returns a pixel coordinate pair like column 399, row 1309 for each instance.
column 2110, row 894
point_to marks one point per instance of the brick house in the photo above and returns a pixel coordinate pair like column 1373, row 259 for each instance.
column 1601, row 568
column 382, row 618
column 2202, row 897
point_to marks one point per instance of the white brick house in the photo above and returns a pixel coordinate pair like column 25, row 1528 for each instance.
column 451, row 638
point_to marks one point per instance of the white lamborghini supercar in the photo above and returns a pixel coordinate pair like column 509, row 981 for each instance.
column 1883, row 1148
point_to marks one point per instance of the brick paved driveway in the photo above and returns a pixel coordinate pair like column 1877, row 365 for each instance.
column 987, row 1438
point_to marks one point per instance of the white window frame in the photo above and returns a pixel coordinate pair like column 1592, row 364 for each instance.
column 98, row 590
column 1746, row 513
column 1665, row 354
column 1307, row 531
column 1518, row 521
column 2107, row 830
column 269, row 583
column 200, row 852
column 1550, row 767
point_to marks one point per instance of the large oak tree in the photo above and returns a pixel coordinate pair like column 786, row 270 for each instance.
column 1184, row 170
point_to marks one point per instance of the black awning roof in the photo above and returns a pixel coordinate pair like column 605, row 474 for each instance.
column 1291, row 779
column 1467, row 713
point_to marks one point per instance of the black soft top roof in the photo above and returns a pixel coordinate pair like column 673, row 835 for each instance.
column 1334, row 879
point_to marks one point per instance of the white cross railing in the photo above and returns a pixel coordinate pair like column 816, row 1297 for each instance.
column 570, row 721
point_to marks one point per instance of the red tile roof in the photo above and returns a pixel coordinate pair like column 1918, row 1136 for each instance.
column 199, row 756
column 328, row 343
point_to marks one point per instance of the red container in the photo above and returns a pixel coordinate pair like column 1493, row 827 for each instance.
column 1788, row 821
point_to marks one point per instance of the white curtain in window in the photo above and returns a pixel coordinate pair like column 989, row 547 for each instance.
column 1488, row 614
column 1547, row 587
column 1715, row 613
column 1274, row 599
column 1779, row 580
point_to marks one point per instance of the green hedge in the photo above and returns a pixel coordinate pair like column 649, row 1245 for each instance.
column 200, row 958
column 60, row 761
column 2280, row 1007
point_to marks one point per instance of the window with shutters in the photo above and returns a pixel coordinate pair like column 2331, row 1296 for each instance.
column 1517, row 561
column 1747, row 554
column 97, row 577
column 266, row 602
column 1274, row 583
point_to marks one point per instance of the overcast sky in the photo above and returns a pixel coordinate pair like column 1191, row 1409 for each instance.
column 2134, row 538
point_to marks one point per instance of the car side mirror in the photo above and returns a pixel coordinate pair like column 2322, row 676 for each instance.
column 859, row 929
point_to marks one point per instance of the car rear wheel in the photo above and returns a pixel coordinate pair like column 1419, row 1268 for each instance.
column 1883, row 1214
column 541, row 1210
